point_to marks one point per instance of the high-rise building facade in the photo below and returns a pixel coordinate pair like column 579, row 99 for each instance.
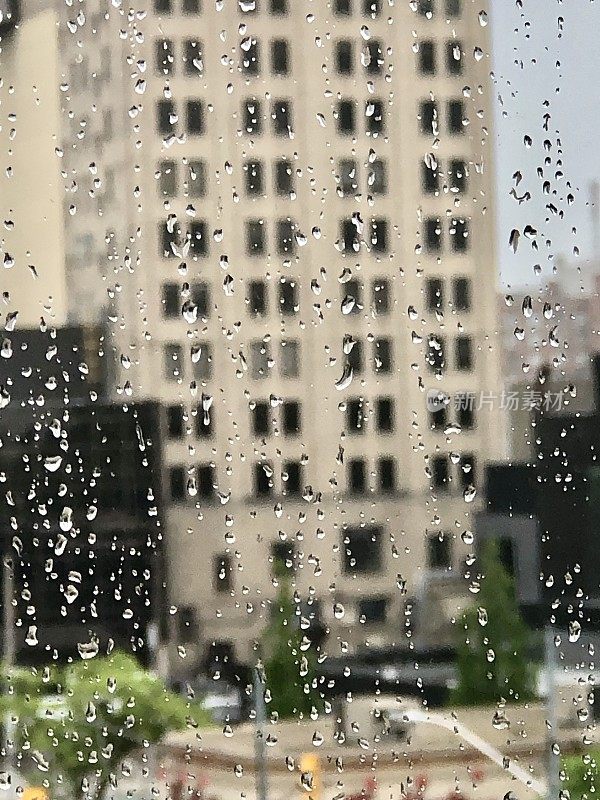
column 285, row 215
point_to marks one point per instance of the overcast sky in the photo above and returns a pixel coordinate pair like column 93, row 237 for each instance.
column 532, row 36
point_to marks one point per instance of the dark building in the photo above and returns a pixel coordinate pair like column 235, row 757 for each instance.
column 79, row 499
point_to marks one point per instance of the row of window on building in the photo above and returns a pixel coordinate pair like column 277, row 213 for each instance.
column 341, row 8
column 194, row 301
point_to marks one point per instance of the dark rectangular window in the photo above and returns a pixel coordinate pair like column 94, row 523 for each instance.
column 456, row 113
column 205, row 422
column 457, row 175
column 355, row 422
column 379, row 236
column 200, row 297
column 382, row 356
column 193, row 57
column 197, row 182
column 459, row 235
column 260, row 354
column 439, row 553
column 371, row 8
column 384, row 414
column 374, row 115
column 169, row 237
column 255, row 237
column 350, row 238
column 363, row 550
column 386, row 474
column 438, row 417
column 343, row 8
column 463, row 354
column 165, row 117
column 249, row 51
column 346, row 117
column 466, row 473
column 171, row 301
column 254, row 177
column 353, row 291
column 202, row 362
column 429, row 117
column 357, row 476
column 175, row 422
column 279, row 6
column 344, row 57
column 426, row 8
column 461, row 292
column 373, row 57
column 285, row 237
column 381, row 290
column 291, row 418
column 377, row 177
column 348, row 175
column 173, row 361
column 372, row 609
column 280, row 57
column 263, row 484
column 430, row 176
column 257, row 298
column 440, row 473
column 355, row 358
column 453, row 8
column 433, row 235
column 252, row 116
column 465, row 410
column 426, row 57
column 436, row 357
column 288, row 297
column 190, row 6
column 164, row 56
column 187, row 627
column 198, row 238
column 289, row 358
column 454, row 59
column 177, row 483
column 282, row 557
column 205, row 476
column 163, row 6
column 167, row 179
column 222, row 573
column 195, row 117
column 281, row 113
column 291, row 479
column 284, row 177
column 434, row 293
column 261, row 419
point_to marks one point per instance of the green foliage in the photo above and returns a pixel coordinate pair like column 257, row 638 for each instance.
column 76, row 724
column 581, row 773
column 493, row 628
column 289, row 670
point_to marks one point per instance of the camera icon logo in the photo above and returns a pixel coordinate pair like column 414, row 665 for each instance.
column 437, row 400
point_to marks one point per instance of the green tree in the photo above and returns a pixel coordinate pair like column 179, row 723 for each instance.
column 581, row 773
column 492, row 659
column 289, row 663
column 77, row 724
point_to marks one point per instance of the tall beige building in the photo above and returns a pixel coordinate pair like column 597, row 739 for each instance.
column 284, row 211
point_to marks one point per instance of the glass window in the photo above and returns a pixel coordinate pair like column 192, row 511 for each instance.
column 205, row 480
column 386, row 474
column 288, row 297
column 177, row 483
column 261, row 419
column 435, row 353
column 190, row 6
column 465, row 410
column 198, row 238
column 377, row 177
column 173, row 361
column 440, row 473
column 461, row 292
column 430, row 176
column 259, row 359
column 434, row 293
column 426, row 8
column 291, row 418
column 205, row 420
column 255, row 237
column 284, row 177
column 163, row 6
column 384, row 414
column 363, row 550
column 348, row 174
column 291, row 478
column 381, row 291
column 350, row 239
column 279, row 6
column 379, row 236
column 456, row 114
column 197, row 179
column 382, row 355
column 353, row 349
column 373, row 57
column 372, row 610
column 439, row 552
column 257, row 298
column 453, row 8
column 372, row 8
column 165, row 117
column 223, row 573
column 175, row 427
column 426, row 56
column 167, row 179
column 201, row 355
column 254, row 177
column 164, row 57
column 281, row 114
column 458, row 175
column 433, row 235
column 171, row 300
column 454, row 58
column 352, row 296
column 290, row 358
column 429, row 117
column 464, row 353
column 467, row 475
column 342, row 8
column 263, row 479
column 249, row 56
column 285, row 237
column 375, row 117
column 282, row 557
column 344, row 56
column 355, row 418
column 346, row 117
column 169, row 238
column 195, row 117
column 252, row 116
column 193, row 57
column 459, row 235
column 357, row 476
column 280, row 57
